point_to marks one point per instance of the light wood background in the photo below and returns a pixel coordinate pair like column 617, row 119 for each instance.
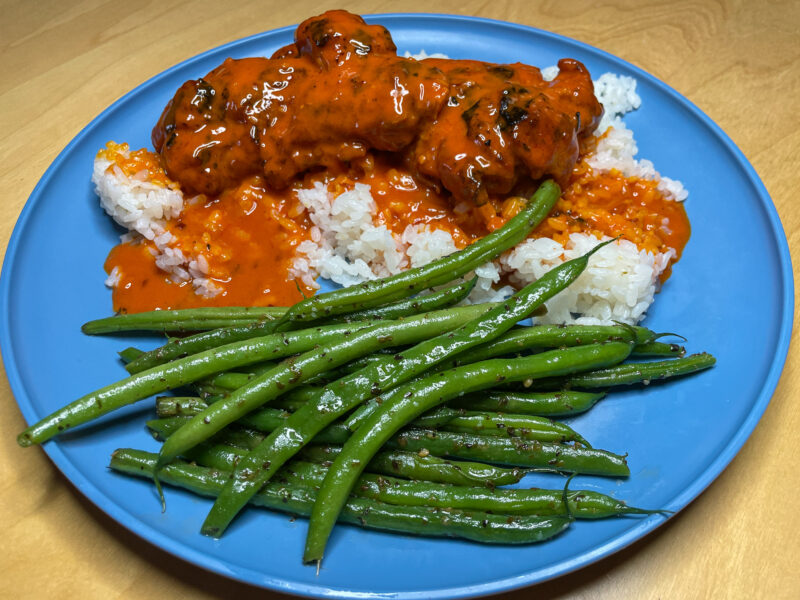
column 61, row 63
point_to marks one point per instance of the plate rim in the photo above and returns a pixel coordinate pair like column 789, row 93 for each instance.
column 606, row 548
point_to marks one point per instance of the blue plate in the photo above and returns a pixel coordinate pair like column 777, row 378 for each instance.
column 731, row 294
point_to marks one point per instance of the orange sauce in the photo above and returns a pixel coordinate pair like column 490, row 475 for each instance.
column 447, row 144
column 611, row 204
column 249, row 234
column 340, row 92
column 140, row 163
column 248, row 237
column 606, row 204
column 401, row 200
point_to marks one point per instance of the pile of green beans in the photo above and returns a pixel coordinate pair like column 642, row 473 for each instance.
column 377, row 406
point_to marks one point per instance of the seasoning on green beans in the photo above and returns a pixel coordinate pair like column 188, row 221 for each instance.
column 582, row 504
column 294, row 371
column 396, row 463
column 562, row 403
column 178, row 406
column 516, row 452
column 183, row 371
column 633, row 373
column 658, row 349
column 405, row 403
column 188, row 319
column 425, row 467
column 511, row 425
column 478, row 526
column 345, row 394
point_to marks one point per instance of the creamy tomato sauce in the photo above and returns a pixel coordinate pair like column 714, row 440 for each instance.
column 452, row 144
column 340, row 92
column 249, row 234
column 248, row 237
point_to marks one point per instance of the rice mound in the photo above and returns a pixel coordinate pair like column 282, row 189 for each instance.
column 347, row 247
column 619, row 284
column 143, row 208
column 135, row 202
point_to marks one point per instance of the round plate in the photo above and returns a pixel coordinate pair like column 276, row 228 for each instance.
column 734, row 283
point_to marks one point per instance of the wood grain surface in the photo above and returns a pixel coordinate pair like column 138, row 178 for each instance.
column 61, row 63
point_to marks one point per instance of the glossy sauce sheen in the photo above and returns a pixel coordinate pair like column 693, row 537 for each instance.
column 341, row 90
column 230, row 231
column 456, row 145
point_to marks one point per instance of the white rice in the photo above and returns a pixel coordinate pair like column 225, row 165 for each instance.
column 144, row 207
column 133, row 202
column 618, row 284
column 347, row 247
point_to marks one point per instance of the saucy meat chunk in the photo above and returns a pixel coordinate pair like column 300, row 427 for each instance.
column 502, row 122
column 341, row 91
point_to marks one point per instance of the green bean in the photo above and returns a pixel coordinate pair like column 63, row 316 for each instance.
column 239, row 438
column 178, row 321
column 206, row 391
column 348, row 392
column 300, row 341
column 130, row 354
column 208, row 318
column 644, row 372
column 405, row 464
column 583, row 504
column 512, row 452
column 472, row 525
column 178, row 406
column 187, row 406
column 209, row 340
column 546, row 404
column 526, row 338
column 404, row 404
column 406, row 283
column 249, row 431
column 222, row 383
column 435, row 300
column 301, row 395
column 425, row 467
column 545, row 337
column 512, row 425
column 410, row 465
column 294, row 371
column 658, row 349
column 192, row 368
column 424, row 492
column 144, row 384
column 267, row 419
column 216, row 456
column 230, row 381
column 438, row 417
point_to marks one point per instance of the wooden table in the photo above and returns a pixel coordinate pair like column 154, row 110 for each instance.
column 61, row 63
